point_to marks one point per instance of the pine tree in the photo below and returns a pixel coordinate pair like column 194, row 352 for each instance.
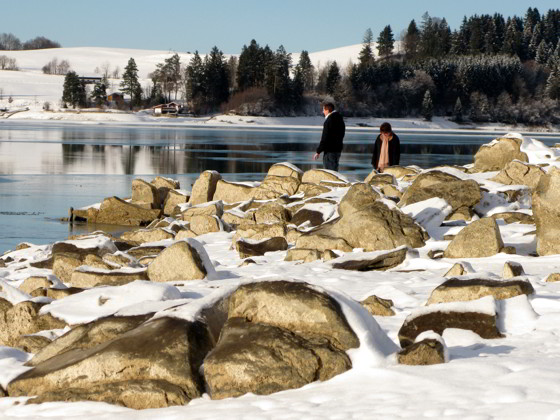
column 458, row 111
column 333, row 78
column 543, row 52
column 385, row 42
column 552, row 89
column 427, row 106
column 411, row 40
column 216, row 78
column 74, row 91
column 512, row 39
column 130, row 84
column 99, row 93
column 366, row 57
column 306, row 72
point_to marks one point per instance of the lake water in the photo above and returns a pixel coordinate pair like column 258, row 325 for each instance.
column 48, row 167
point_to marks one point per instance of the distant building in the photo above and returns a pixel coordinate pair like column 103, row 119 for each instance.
column 89, row 80
column 115, row 97
column 170, row 108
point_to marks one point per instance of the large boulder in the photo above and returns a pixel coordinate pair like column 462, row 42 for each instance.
column 272, row 213
column 233, row 192
column 275, row 186
column 315, row 176
column 164, row 186
column 514, row 217
column 285, row 169
column 204, row 187
column 85, row 336
column 259, row 231
column 359, row 195
column 180, row 261
column 457, row 194
column 145, row 194
column 458, row 290
column 310, row 217
column 115, row 211
column 400, row 171
column 498, row 153
column 322, row 243
column 263, row 359
column 479, row 239
column 211, row 208
column 520, row 173
column 172, row 200
column 86, row 277
column 140, row 236
column 23, row 318
column 165, row 352
column 378, row 261
column 309, row 189
column 547, row 213
column 376, row 227
column 202, row 223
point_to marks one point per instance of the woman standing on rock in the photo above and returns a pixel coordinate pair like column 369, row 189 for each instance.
column 387, row 148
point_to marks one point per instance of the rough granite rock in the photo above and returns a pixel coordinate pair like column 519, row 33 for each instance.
column 259, row 231
column 248, row 248
column 31, row 343
column 456, row 290
column 512, row 269
column 34, row 282
column 263, row 359
column 302, row 254
column 514, row 217
column 497, row 154
column 315, row 176
column 179, row 261
column 312, row 218
column 85, row 277
column 272, row 213
column 285, row 169
column 165, row 349
column 172, row 200
column 213, row 208
column 457, row 270
column 382, row 262
column 547, row 213
column 309, row 189
column 358, row 196
column 204, row 187
column 164, row 186
column 145, row 194
column 202, row 223
column 275, row 186
column 400, row 171
column 552, row 277
column 141, row 236
column 375, row 178
column 322, row 243
column 425, row 352
column 115, row 211
column 457, row 194
column 378, row 306
column 231, row 192
column 296, row 307
column 520, row 173
column 479, row 239
column 85, row 336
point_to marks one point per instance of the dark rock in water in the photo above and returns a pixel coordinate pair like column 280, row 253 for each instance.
column 248, row 248
column 263, row 359
column 425, row 352
column 380, row 262
column 160, row 358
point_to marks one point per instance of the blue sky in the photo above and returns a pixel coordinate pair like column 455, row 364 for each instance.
column 199, row 25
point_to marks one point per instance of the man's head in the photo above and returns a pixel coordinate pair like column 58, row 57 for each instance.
column 328, row 107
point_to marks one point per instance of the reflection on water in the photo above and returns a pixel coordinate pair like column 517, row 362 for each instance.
column 45, row 168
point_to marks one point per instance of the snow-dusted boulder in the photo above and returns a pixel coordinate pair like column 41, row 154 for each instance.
column 272, row 213
column 249, row 248
column 309, row 189
column 233, row 192
column 359, row 195
column 400, row 171
column 428, row 349
column 369, row 261
column 259, row 231
column 512, row 269
column 203, row 223
column 286, row 169
column 181, row 261
column 145, row 194
column 210, row 208
column 303, row 254
column 479, row 239
column 495, row 155
column 204, row 187
column 315, row 176
column 547, row 213
column 461, row 290
column 322, row 243
column 115, row 211
column 514, row 217
column 86, row 277
column 274, row 186
column 378, row 306
column 312, row 218
column 172, row 200
column 141, row 236
column 164, row 186
column 520, row 173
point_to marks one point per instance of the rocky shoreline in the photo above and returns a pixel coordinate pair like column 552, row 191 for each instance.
column 263, row 336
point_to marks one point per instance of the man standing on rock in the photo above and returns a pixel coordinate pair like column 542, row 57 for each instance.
column 331, row 139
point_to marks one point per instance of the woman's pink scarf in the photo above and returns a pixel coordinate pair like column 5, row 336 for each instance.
column 384, row 154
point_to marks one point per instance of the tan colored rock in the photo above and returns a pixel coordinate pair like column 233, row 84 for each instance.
column 118, row 260
column 380, row 262
column 248, row 248
column 328, row 255
column 311, row 190
column 231, row 192
column 400, row 171
column 145, row 251
column 85, row 277
column 115, row 211
column 547, row 213
column 497, row 154
column 263, row 359
column 295, row 307
column 433, row 177
column 422, row 353
column 375, row 178
column 64, row 265
column 201, row 224
column 276, row 186
column 145, row 194
column 184, row 234
column 34, row 282
column 552, row 277
column 520, row 173
column 390, row 191
column 163, row 350
column 322, row 243
column 479, row 239
column 180, row 261
column 85, row 336
column 455, row 290
column 237, row 218
column 31, row 343
column 302, row 254
column 95, row 262
column 272, row 213
column 457, row 270
column 142, row 236
column 285, row 169
column 213, row 208
column 62, row 293
column 378, row 306
column 457, row 194
column 315, row 176
column 462, row 213
column 259, row 231
column 512, row 269
column 514, row 217
column 164, row 186
column 23, row 319
column 172, row 200
column 358, row 196
column 293, row 235
column 204, row 187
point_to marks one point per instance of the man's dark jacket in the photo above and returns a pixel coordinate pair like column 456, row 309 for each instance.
column 333, row 133
column 394, row 151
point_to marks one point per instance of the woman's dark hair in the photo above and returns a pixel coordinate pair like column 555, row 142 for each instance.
column 385, row 128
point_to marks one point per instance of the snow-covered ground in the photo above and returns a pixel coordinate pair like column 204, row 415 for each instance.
column 511, row 377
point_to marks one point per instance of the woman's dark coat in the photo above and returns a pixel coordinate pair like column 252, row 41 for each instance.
column 394, row 151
